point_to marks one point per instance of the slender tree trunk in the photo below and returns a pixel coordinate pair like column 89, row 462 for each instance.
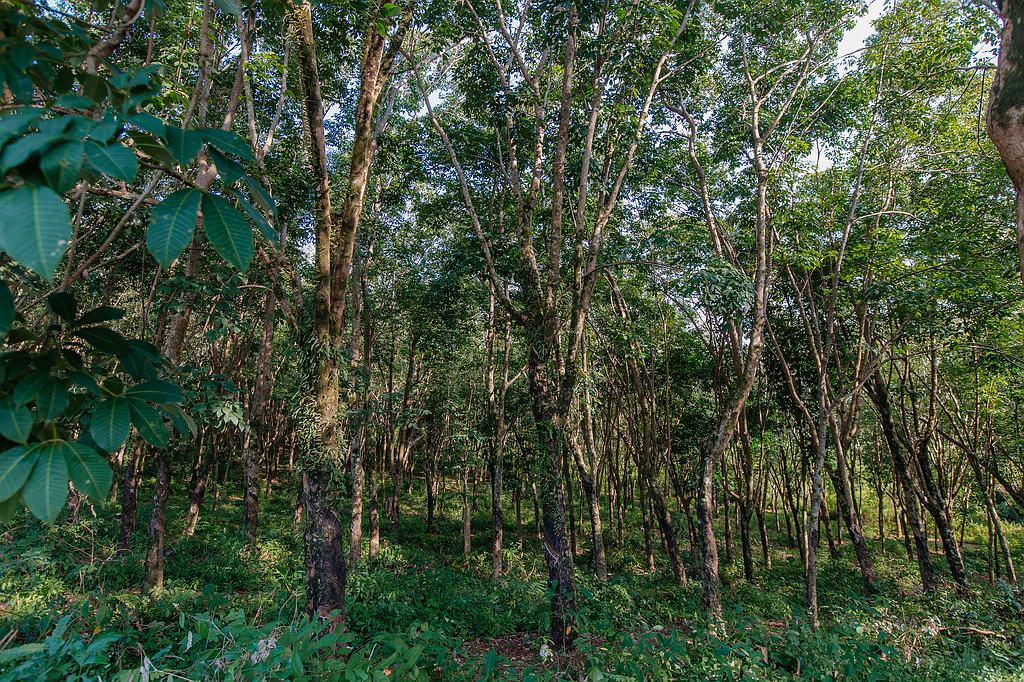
column 197, row 487
column 154, row 577
column 844, row 500
column 993, row 516
column 879, row 395
column 130, row 496
column 497, row 514
column 467, row 530
column 668, row 532
column 374, row 515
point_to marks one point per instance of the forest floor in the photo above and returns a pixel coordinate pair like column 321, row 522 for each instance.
column 71, row 606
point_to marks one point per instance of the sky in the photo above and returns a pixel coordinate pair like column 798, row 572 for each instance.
column 855, row 37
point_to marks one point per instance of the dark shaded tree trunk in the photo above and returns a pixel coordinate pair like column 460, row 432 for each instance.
column 197, row 487
column 879, row 394
column 154, row 567
column 130, row 496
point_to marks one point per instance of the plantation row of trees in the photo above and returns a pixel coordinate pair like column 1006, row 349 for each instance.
column 688, row 262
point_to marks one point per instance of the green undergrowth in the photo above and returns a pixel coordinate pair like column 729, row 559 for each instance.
column 70, row 608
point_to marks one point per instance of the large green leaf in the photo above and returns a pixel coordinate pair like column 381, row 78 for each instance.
column 151, row 147
column 184, row 144
column 150, row 423
column 114, row 160
column 52, row 399
column 172, row 223
column 62, row 165
column 15, row 421
column 261, row 222
column 229, row 171
column 15, row 466
column 156, row 391
column 104, row 339
column 111, row 423
column 63, row 305
column 89, row 471
column 228, row 230
column 7, row 309
column 103, row 313
column 232, row 7
column 184, row 424
column 17, row 152
column 28, row 386
column 35, row 228
column 47, row 486
column 228, row 142
column 261, row 195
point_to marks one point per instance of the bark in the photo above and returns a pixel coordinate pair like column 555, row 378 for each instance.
column 467, row 530
column 1006, row 106
column 551, row 441
column 325, row 560
column 130, row 497
column 497, row 517
column 993, row 516
column 879, row 394
column 197, row 488
column 250, row 459
column 844, row 499
column 154, row 567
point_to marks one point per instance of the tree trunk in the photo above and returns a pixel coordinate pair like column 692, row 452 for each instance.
column 1005, row 120
column 130, row 497
column 325, row 560
column 497, row 514
column 197, row 487
column 154, row 566
column 879, row 394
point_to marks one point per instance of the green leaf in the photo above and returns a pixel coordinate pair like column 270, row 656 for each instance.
column 90, row 472
column 18, row 120
column 229, row 171
column 152, row 147
column 264, row 227
column 172, row 223
column 19, row 151
column 183, row 144
column 36, row 228
column 261, row 195
column 53, row 399
column 148, row 122
column 15, row 466
column 228, row 231
column 111, row 423
column 28, row 387
column 228, row 142
column 8, row 508
column 184, row 424
column 104, row 340
column 156, row 391
column 47, row 486
column 84, row 381
column 150, row 423
column 23, row 651
column 63, row 305
column 62, row 165
column 7, row 310
column 229, row 6
column 15, row 421
column 103, row 313
column 113, row 160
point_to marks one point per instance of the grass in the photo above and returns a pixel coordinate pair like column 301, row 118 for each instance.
column 66, row 586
